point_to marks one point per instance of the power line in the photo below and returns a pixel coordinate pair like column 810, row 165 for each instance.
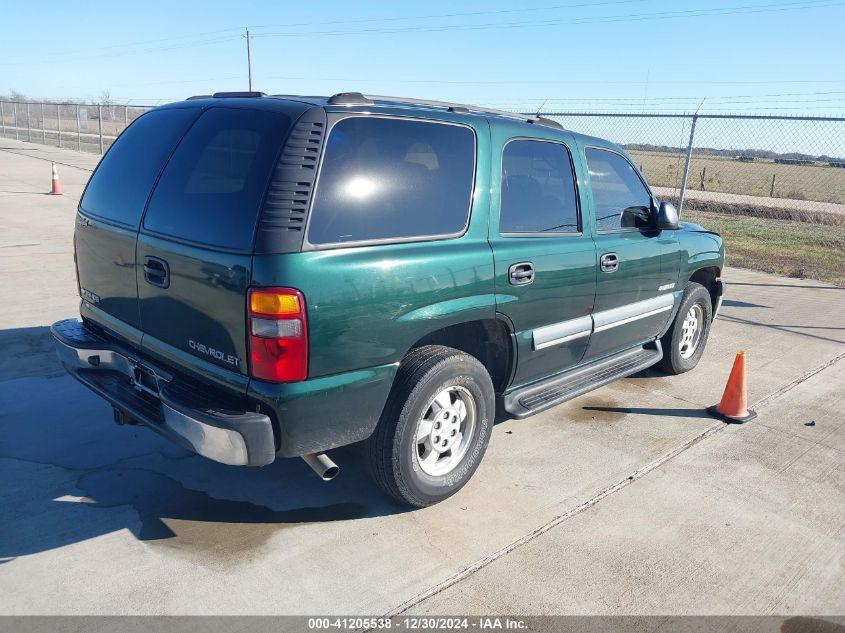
column 131, row 52
column 659, row 15
column 553, row 7
column 566, row 82
column 330, row 22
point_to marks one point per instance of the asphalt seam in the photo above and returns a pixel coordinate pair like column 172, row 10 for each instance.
column 49, row 160
column 638, row 474
column 802, row 378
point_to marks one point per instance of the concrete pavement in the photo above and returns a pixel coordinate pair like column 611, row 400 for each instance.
column 628, row 500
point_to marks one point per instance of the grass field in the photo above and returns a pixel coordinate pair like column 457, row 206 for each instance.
column 784, row 247
column 797, row 182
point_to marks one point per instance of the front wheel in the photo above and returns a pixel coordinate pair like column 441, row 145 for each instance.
column 684, row 343
column 435, row 426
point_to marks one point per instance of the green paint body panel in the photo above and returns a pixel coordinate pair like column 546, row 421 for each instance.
column 368, row 305
column 564, row 287
column 105, row 260
column 326, row 412
column 204, row 304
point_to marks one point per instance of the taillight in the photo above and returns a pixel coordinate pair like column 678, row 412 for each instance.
column 278, row 334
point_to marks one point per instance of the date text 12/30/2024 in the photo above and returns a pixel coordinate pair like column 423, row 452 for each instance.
column 417, row 623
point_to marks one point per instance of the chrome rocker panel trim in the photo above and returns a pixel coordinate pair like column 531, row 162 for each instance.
column 565, row 331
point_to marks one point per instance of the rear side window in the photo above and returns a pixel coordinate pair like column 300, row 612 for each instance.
column 387, row 179
column 213, row 186
column 620, row 198
column 538, row 189
column 119, row 188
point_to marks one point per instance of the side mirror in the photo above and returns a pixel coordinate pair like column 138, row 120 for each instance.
column 639, row 217
column 667, row 217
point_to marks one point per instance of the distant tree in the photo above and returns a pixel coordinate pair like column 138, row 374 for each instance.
column 108, row 105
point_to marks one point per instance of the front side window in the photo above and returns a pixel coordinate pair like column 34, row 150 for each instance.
column 385, row 179
column 538, row 190
column 620, row 198
column 213, row 186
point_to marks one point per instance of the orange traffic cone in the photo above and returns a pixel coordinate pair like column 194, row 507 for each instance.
column 57, row 184
column 733, row 407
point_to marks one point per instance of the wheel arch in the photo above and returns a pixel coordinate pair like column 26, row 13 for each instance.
column 707, row 276
column 488, row 340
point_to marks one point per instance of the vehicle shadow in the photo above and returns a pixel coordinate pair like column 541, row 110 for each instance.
column 734, row 303
column 72, row 475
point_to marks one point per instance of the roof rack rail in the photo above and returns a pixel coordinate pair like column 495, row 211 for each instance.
column 246, row 93
column 349, row 98
column 191, row 98
column 459, row 107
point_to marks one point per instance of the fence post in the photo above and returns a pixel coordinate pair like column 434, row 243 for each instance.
column 100, row 121
column 59, row 121
column 78, row 135
column 3, row 118
column 43, row 131
column 28, row 124
column 125, row 117
column 686, row 165
column 15, row 114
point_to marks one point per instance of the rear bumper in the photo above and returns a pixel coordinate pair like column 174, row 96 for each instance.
column 201, row 421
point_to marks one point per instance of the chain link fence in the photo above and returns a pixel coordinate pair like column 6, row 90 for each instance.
column 773, row 186
column 83, row 127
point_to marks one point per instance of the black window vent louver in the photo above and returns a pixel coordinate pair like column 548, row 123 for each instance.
column 282, row 224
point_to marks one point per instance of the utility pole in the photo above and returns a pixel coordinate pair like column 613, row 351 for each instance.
column 248, row 58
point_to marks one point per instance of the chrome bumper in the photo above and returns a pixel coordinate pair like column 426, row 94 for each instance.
column 149, row 395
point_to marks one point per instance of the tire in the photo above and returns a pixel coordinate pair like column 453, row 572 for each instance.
column 677, row 355
column 407, row 468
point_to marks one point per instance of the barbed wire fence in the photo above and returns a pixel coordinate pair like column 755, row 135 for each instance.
column 773, row 186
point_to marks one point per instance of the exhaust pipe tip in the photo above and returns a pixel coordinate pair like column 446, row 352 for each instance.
column 322, row 464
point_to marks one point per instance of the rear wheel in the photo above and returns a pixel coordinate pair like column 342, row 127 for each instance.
column 684, row 343
column 435, row 426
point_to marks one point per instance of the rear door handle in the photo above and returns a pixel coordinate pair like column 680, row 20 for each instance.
column 521, row 274
column 156, row 272
column 609, row 262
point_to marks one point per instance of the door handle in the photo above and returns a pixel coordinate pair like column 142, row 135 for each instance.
column 521, row 274
column 156, row 272
column 609, row 262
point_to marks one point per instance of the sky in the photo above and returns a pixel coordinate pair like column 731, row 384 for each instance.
column 742, row 56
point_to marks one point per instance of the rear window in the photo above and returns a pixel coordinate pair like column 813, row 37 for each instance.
column 121, row 184
column 213, row 186
column 387, row 179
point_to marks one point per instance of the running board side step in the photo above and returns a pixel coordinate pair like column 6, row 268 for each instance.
column 557, row 389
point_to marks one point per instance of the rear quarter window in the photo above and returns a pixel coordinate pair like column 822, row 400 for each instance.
column 121, row 184
column 393, row 179
column 213, row 186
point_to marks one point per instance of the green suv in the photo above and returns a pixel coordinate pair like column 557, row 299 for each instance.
column 276, row 276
